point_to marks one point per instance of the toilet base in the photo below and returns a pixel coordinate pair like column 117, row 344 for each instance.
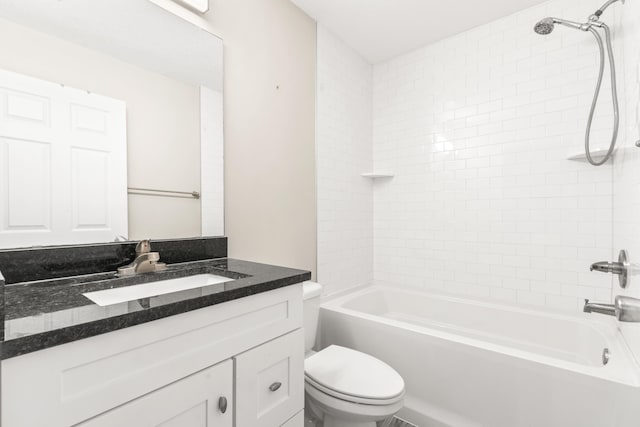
column 330, row 422
column 327, row 411
column 311, row 421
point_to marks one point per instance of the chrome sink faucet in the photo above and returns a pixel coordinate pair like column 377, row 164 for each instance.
column 625, row 309
column 145, row 261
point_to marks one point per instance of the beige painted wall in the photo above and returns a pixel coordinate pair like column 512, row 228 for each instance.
column 163, row 122
column 269, row 119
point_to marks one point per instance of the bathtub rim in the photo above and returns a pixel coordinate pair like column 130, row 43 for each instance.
column 625, row 371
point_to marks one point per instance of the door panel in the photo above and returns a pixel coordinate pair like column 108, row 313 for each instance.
column 63, row 165
column 90, row 189
column 270, row 382
column 190, row 402
column 25, row 193
column 296, row 421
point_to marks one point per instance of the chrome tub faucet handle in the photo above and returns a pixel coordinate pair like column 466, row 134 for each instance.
column 619, row 268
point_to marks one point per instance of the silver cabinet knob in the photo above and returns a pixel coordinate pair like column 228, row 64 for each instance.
column 275, row 386
column 222, row 404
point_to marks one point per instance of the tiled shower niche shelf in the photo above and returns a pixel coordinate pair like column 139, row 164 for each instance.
column 375, row 175
column 597, row 155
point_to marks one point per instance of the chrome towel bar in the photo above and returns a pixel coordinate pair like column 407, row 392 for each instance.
column 163, row 193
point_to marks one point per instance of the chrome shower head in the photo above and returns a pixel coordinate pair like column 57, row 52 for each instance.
column 547, row 25
column 544, row 26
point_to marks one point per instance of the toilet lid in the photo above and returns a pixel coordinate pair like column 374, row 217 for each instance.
column 352, row 373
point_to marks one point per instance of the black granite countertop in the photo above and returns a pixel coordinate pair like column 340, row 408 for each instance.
column 39, row 314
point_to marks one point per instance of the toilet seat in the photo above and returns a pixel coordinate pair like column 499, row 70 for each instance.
column 352, row 399
column 353, row 376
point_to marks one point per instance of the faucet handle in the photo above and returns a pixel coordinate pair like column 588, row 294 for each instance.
column 143, row 247
column 620, row 268
column 606, row 267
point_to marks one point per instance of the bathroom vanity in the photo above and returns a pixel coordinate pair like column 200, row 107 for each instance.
column 226, row 354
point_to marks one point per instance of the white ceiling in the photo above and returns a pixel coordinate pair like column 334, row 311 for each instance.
column 382, row 29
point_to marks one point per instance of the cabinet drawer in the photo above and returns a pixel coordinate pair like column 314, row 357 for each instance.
column 270, row 382
column 204, row 399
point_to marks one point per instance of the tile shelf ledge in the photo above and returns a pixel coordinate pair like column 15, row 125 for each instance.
column 597, row 155
column 374, row 175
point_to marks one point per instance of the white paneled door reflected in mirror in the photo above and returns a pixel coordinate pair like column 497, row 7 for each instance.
column 110, row 124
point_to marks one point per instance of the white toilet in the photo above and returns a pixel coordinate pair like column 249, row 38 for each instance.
column 344, row 387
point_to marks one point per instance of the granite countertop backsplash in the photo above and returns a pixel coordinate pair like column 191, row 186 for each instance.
column 48, row 308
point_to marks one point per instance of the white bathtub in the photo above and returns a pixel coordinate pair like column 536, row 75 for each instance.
column 477, row 363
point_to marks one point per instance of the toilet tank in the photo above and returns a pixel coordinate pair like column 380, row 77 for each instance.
column 311, row 292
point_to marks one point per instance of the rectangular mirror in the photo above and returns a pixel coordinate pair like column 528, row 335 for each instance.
column 110, row 123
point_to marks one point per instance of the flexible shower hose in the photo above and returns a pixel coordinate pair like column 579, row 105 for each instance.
column 614, row 97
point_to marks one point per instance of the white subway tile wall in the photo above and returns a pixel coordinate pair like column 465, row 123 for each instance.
column 626, row 189
column 343, row 152
column 477, row 129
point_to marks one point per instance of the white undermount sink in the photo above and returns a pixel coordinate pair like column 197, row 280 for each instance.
column 145, row 290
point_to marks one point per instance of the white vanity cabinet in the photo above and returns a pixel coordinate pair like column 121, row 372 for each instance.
column 200, row 400
column 238, row 363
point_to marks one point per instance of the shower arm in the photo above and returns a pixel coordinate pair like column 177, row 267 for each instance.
column 571, row 24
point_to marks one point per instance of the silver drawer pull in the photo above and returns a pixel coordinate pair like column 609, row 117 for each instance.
column 222, row 404
column 275, row 386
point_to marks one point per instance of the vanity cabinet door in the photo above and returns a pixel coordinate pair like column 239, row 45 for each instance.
column 296, row 421
column 204, row 399
column 270, row 382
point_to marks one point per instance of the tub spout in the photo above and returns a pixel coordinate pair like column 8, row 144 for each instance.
column 625, row 309
column 591, row 307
